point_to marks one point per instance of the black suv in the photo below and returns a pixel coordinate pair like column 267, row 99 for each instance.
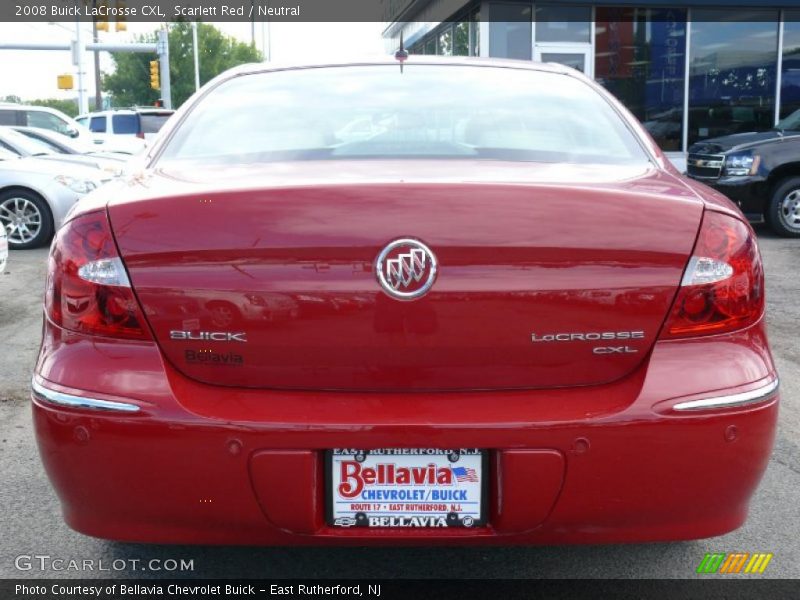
column 758, row 171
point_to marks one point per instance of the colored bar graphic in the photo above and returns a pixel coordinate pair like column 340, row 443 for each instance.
column 711, row 563
column 733, row 563
column 758, row 563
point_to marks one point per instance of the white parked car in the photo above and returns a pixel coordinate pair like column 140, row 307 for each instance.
column 24, row 146
column 36, row 194
column 45, row 117
column 66, row 145
column 125, row 129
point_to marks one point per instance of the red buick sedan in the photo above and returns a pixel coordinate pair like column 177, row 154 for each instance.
column 458, row 302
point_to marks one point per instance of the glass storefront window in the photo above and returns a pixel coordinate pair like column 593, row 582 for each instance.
column 461, row 39
column 456, row 38
column 790, row 83
column 733, row 66
column 510, row 31
column 573, row 60
column 640, row 57
column 563, row 24
column 475, row 34
column 445, row 47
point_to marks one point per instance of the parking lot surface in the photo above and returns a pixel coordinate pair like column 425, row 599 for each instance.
column 31, row 522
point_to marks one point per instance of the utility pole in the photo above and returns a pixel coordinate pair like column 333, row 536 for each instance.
column 98, row 94
column 83, row 101
column 196, row 57
column 163, row 55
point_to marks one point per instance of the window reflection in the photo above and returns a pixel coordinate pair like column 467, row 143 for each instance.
column 640, row 58
column 446, row 42
column 573, row 60
column 563, row 24
column 733, row 65
column 510, row 31
column 461, row 39
column 475, row 34
column 790, row 85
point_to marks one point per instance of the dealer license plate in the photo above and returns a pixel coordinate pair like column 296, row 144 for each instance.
column 407, row 487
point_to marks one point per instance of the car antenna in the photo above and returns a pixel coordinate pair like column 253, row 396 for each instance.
column 401, row 55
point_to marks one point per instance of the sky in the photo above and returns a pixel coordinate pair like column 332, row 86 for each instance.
column 32, row 74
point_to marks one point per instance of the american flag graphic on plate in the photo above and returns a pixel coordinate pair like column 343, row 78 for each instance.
column 464, row 474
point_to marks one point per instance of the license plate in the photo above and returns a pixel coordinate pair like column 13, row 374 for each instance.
column 407, row 487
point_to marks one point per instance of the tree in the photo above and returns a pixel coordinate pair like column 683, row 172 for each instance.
column 68, row 107
column 129, row 85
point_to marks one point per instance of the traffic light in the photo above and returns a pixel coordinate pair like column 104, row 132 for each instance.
column 155, row 79
column 122, row 25
column 102, row 18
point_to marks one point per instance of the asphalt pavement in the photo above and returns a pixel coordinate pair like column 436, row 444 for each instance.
column 31, row 524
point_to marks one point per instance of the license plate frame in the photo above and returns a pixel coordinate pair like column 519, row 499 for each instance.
column 474, row 459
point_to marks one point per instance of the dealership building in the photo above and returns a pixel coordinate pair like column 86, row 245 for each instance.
column 689, row 71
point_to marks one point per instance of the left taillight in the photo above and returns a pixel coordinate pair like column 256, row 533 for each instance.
column 88, row 290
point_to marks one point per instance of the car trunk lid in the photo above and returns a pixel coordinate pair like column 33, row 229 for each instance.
column 547, row 276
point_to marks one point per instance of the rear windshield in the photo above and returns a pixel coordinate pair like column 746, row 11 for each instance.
column 8, row 117
column 125, row 124
column 25, row 145
column 427, row 111
column 151, row 123
column 45, row 143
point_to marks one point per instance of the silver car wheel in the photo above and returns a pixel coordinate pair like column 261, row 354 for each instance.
column 21, row 218
column 789, row 210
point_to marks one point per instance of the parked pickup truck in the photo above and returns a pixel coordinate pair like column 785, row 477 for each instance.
column 759, row 171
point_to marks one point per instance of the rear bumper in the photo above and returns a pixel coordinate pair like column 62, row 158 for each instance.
column 202, row 464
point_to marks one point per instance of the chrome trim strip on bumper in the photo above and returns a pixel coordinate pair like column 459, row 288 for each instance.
column 733, row 400
column 729, row 401
column 71, row 401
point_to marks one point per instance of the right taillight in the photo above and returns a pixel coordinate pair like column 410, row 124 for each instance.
column 723, row 286
column 87, row 286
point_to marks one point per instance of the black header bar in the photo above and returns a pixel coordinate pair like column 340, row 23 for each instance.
column 386, row 11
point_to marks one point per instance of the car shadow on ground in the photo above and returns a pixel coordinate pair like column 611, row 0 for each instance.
column 764, row 231
column 625, row 561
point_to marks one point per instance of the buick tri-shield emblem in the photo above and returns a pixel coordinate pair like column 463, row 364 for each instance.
column 406, row 269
